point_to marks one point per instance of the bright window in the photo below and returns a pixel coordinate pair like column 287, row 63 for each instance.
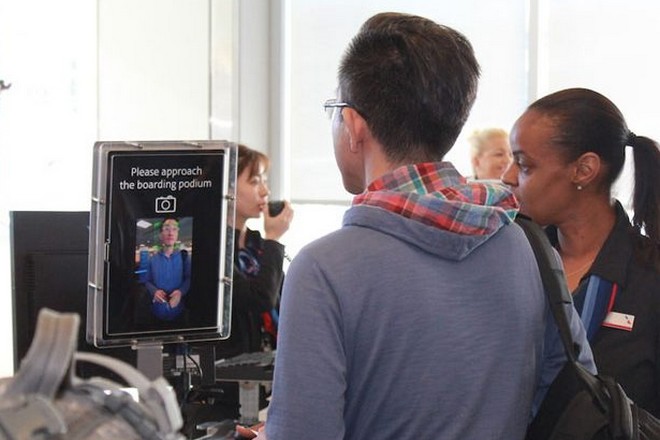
column 607, row 46
column 319, row 33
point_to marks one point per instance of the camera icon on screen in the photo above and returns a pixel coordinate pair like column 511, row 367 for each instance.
column 165, row 204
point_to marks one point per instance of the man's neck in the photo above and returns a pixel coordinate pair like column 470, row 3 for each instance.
column 377, row 164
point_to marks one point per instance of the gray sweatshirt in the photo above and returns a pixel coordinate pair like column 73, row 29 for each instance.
column 395, row 329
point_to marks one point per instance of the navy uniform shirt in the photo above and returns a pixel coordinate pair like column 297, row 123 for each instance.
column 632, row 356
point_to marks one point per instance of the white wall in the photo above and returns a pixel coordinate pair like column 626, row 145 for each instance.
column 153, row 69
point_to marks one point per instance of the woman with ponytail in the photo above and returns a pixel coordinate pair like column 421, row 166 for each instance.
column 569, row 148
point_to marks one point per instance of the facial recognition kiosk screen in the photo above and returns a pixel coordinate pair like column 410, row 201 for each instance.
column 163, row 262
column 163, row 255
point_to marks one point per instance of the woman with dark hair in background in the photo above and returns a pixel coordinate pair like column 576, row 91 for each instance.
column 569, row 148
column 257, row 281
column 258, row 272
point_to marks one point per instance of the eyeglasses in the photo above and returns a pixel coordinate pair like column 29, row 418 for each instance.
column 331, row 104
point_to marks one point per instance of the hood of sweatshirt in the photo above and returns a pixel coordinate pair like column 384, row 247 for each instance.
column 433, row 207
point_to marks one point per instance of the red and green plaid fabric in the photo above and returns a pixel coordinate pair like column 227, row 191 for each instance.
column 435, row 194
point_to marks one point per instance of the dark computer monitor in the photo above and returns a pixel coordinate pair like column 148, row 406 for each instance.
column 49, row 257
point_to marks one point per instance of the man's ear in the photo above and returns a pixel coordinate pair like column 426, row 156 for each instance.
column 587, row 168
column 356, row 127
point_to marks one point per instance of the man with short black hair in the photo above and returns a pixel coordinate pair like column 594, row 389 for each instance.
column 424, row 315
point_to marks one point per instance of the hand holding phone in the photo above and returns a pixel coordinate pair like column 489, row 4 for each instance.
column 277, row 219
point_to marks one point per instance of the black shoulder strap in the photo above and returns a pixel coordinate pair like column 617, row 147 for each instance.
column 554, row 282
column 618, row 416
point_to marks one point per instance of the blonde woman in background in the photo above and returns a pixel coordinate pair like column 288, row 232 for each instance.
column 490, row 153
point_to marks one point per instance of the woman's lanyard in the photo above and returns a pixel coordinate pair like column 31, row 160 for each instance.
column 595, row 303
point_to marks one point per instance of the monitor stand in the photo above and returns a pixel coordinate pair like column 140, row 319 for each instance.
column 150, row 359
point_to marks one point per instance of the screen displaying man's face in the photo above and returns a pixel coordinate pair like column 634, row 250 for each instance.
column 161, row 280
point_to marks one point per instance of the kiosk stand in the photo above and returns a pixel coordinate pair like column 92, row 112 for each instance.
column 161, row 247
column 150, row 360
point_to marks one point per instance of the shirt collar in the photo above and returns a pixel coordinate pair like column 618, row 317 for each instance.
column 612, row 260
column 434, row 193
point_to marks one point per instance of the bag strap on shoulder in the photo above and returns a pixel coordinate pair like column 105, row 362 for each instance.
column 53, row 345
column 28, row 399
column 602, row 391
column 27, row 402
column 554, row 284
column 155, row 395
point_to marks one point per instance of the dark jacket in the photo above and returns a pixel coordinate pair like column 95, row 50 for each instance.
column 630, row 260
column 252, row 293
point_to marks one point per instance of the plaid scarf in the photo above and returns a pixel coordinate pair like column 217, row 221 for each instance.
column 435, row 194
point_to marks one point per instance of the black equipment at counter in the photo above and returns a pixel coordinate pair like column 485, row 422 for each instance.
column 253, row 372
column 257, row 366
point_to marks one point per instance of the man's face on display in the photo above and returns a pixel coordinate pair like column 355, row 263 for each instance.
column 169, row 232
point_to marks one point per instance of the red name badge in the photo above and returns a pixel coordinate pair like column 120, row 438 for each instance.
column 622, row 321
